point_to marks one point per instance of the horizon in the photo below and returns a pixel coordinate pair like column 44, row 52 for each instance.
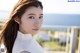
column 53, row 19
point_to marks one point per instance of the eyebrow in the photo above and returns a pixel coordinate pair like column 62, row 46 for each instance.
column 33, row 14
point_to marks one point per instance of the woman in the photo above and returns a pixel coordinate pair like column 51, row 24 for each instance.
column 24, row 21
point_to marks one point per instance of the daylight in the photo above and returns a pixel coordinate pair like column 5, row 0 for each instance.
column 50, row 6
column 59, row 33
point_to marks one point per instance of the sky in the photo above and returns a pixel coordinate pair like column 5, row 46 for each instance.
column 50, row 6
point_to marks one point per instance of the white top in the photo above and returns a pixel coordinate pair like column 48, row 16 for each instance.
column 25, row 42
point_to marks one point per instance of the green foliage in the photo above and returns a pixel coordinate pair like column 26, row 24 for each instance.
column 39, row 41
column 54, row 46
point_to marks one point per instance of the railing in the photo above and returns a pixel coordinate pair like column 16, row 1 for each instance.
column 74, row 32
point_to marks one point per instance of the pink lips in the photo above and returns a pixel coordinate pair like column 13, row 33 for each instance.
column 36, row 29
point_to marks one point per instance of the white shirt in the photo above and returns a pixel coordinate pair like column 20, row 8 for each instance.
column 25, row 42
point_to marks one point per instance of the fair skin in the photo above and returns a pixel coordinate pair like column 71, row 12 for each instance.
column 31, row 20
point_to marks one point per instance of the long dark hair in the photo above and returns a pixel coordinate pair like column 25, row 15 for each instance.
column 9, row 31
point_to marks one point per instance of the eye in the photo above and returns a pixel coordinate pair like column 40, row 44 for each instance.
column 40, row 17
column 31, row 17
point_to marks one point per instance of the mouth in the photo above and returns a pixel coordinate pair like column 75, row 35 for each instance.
column 36, row 29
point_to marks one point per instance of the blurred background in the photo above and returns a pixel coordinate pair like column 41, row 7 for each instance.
column 60, row 32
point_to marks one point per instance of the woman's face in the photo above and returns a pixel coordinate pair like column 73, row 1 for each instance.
column 31, row 20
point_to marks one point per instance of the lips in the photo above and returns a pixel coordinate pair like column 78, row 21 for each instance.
column 36, row 29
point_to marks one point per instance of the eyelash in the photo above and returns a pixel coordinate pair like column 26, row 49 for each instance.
column 40, row 17
column 32, row 17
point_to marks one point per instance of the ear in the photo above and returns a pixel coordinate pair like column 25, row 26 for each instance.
column 17, row 20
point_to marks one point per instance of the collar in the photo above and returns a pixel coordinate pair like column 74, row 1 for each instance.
column 22, row 36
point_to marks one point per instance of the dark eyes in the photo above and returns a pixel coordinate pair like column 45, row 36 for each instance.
column 32, row 17
column 40, row 17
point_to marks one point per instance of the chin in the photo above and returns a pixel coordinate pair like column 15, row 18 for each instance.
column 34, row 33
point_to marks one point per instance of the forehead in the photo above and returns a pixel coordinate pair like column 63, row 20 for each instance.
column 34, row 10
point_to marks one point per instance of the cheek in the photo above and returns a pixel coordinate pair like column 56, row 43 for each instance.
column 27, row 23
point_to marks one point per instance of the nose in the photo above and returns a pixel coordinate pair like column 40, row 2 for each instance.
column 37, row 22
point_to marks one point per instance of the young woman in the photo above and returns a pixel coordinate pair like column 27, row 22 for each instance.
column 24, row 21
